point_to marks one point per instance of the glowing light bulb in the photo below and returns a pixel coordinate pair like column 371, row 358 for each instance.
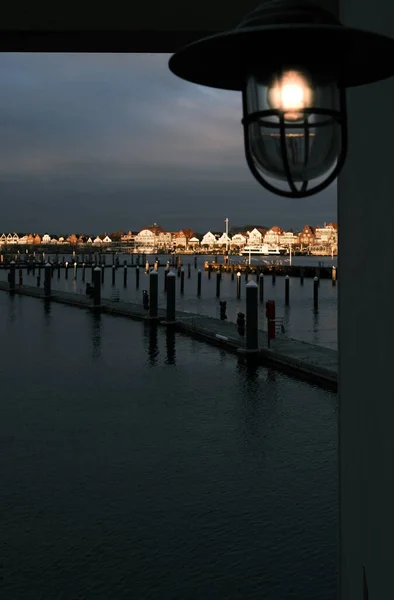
column 290, row 93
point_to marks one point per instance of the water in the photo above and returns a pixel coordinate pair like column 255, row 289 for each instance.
column 137, row 465
column 300, row 320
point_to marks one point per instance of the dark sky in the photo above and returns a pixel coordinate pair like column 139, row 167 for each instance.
column 99, row 142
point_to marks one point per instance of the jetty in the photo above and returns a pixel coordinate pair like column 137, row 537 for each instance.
column 306, row 361
column 269, row 268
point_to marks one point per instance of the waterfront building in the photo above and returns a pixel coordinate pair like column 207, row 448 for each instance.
column 46, row 239
column 182, row 237
column 72, row 239
column 327, row 234
column 209, row 240
column 194, row 242
column 97, row 240
column 22, row 240
column 107, row 240
column 307, row 236
column 289, row 238
column 224, row 240
column 152, row 238
column 238, row 241
column 128, row 237
column 37, row 239
column 273, row 236
column 255, row 237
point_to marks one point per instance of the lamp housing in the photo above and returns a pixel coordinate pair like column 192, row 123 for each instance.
column 292, row 61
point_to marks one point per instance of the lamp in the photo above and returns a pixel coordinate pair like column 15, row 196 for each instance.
column 292, row 61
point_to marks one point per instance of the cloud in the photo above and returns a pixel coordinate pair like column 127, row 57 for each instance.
column 99, row 130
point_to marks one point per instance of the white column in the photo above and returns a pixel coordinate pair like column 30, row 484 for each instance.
column 366, row 327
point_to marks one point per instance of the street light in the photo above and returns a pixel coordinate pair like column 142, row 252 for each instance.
column 292, row 61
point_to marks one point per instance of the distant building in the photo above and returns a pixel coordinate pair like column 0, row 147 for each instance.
column 107, row 240
column 307, row 236
column 46, row 239
column 97, row 240
column 288, row 238
column 273, row 236
column 224, row 240
column 209, row 240
column 239, row 240
column 152, row 238
column 327, row 235
column 194, row 242
column 255, row 237
column 72, row 239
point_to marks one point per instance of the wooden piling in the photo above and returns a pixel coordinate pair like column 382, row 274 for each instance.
column 316, row 294
column 287, row 290
column 153, row 294
column 171, row 279
column 252, row 315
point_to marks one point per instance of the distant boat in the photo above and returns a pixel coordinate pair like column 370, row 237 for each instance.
column 263, row 250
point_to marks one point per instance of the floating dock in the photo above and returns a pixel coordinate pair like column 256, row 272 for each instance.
column 300, row 359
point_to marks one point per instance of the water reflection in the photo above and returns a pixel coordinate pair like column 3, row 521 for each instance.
column 315, row 328
column 12, row 307
column 150, row 331
column 47, row 312
column 259, row 395
column 96, row 333
column 170, row 346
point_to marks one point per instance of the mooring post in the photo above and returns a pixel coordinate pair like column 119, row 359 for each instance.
column 287, row 290
column 182, row 280
column 316, row 294
column 239, row 285
column 58, row 270
column 11, row 276
column 83, row 271
column 179, row 269
column 218, row 278
column 147, row 266
column 47, row 281
column 189, row 272
column 97, row 287
column 232, row 272
column 195, row 262
column 156, row 266
column 137, row 277
column 199, row 283
column 153, row 293
column 171, row 278
column 125, row 275
column 113, row 274
column 334, row 276
column 166, row 271
column 75, row 271
column 209, row 270
column 252, row 315
column 261, row 287
column 66, row 270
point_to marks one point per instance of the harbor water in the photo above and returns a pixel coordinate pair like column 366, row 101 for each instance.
column 300, row 321
column 138, row 463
